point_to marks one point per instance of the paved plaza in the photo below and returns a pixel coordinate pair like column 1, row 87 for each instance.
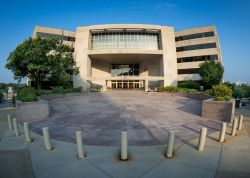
column 147, row 117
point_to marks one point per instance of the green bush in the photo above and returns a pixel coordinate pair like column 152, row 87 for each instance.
column 241, row 91
column 219, row 98
column 208, row 92
column 227, row 98
column 222, row 91
column 27, row 94
column 168, row 89
column 188, row 90
column 189, row 84
column 61, row 90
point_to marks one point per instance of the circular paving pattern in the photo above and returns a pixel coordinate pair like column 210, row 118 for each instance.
column 147, row 118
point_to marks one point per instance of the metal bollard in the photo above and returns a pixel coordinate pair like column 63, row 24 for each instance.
column 233, row 131
column 27, row 132
column 222, row 132
column 124, row 145
column 16, row 129
column 47, row 139
column 240, row 122
column 202, row 139
column 80, row 151
column 169, row 153
column 9, row 122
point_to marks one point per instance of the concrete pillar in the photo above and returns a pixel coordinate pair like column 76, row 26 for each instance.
column 80, row 151
column 222, row 132
column 169, row 153
column 202, row 139
column 240, row 122
column 9, row 122
column 47, row 139
column 235, row 123
column 124, row 145
column 27, row 132
column 16, row 129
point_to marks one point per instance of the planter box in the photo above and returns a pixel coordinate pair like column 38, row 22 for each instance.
column 218, row 110
column 32, row 111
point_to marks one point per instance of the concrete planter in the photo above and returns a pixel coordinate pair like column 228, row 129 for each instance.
column 218, row 110
column 32, row 111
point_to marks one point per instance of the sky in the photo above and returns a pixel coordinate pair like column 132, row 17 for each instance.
column 231, row 18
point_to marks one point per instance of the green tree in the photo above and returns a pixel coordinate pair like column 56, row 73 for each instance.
column 211, row 73
column 38, row 57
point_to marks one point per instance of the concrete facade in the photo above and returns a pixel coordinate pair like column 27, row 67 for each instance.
column 98, row 48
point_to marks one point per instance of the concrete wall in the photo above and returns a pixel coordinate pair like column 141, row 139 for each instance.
column 200, row 52
column 165, row 66
column 32, row 111
column 218, row 110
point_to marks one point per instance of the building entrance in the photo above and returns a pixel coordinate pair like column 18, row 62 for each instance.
column 127, row 84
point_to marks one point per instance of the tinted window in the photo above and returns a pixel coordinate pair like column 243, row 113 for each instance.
column 195, row 47
column 197, row 58
column 194, row 36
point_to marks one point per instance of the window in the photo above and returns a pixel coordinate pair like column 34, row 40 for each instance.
column 196, row 47
column 188, row 71
column 60, row 37
column 124, row 70
column 194, row 36
column 125, row 40
column 197, row 58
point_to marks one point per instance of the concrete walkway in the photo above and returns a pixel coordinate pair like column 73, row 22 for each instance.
column 231, row 159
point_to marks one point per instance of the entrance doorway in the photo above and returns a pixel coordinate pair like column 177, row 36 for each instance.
column 127, row 84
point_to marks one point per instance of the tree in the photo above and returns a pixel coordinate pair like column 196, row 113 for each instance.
column 211, row 73
column 37, row 57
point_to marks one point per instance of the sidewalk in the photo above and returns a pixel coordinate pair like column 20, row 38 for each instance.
column 17, row 159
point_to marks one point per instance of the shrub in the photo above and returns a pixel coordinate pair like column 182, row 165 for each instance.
column 26, row 94
column 188, row 90
column 190, row 85
column 222, row 91
column 208, row 92
column 227, row 98
column 219, row 98
column 168, row 89
column 61, row 90
column 241, row 91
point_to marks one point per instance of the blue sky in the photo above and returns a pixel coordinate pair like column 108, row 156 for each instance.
column 231, row 17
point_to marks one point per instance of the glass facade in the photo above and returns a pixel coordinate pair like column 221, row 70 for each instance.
column 197, row 58
column 195, row 47
column 194, row 36
column 124, row 70
column 125, row 40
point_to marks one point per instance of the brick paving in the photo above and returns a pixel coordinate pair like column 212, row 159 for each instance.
column 147, row 118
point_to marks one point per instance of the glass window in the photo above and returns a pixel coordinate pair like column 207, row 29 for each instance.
column 197, row 58
column 195, row 47
column 194, row 36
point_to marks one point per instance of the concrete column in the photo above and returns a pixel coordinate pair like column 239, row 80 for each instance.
column 169, row 153
column 235, row 123
column 202, row 139
column 80, row 151
column 124, row 145
column 240, row 122
column 16, row 129
column 47, row 139
column 9, row 122
column 222, row 132
column 27, row 132
column 146, row 85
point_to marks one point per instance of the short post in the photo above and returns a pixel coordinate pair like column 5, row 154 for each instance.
column 222, row 132
column 16, row 129
column 9, row 122
column 80, row 151
column 47, row 139
column 233, row 131
column 169, row 153
column 124, row 145
column 202, row 139
column 240, row 122
column 27, row 132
